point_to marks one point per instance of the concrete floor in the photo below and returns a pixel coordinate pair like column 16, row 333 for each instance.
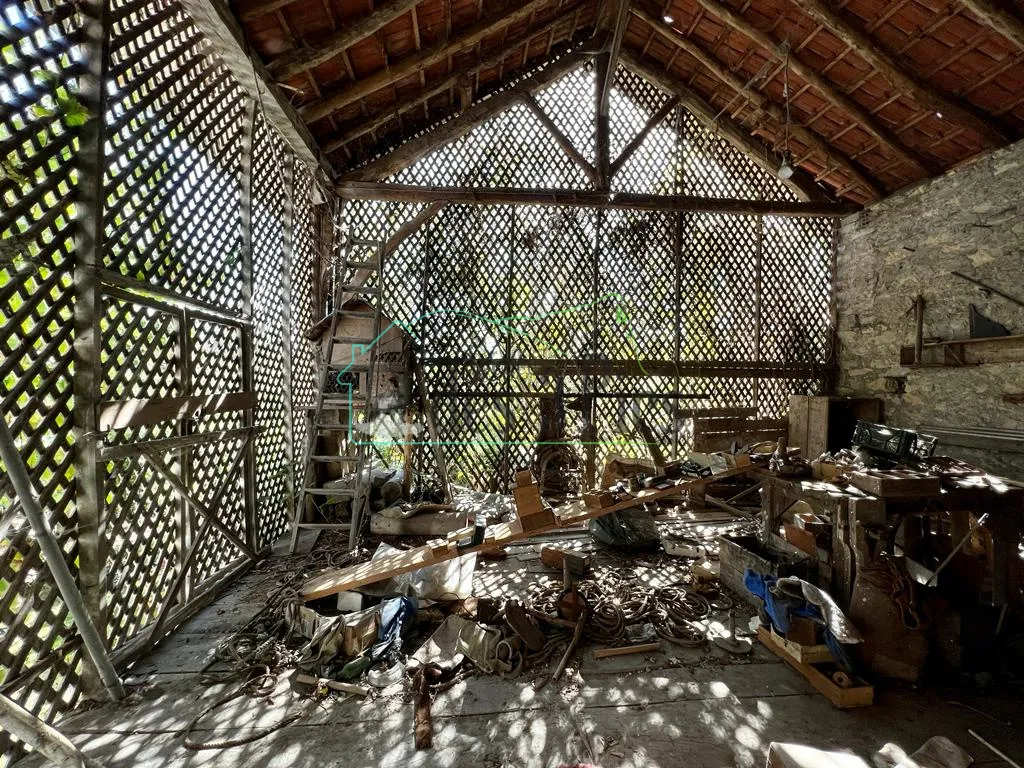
column 693, row 708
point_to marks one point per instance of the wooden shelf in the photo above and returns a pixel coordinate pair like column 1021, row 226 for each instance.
column 958, row 352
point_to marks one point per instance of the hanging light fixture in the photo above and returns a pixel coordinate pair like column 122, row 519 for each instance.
column 786, row 169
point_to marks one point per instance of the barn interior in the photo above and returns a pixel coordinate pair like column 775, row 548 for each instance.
column 539, row 383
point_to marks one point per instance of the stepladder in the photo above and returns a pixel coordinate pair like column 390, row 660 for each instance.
column 338, row 436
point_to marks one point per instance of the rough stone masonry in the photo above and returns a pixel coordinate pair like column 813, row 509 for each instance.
column 970, row 220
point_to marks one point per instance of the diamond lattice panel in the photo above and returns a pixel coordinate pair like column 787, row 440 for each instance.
column 718, row 287
column 40, row 67
column 552, row 294
column 273, row 459
column 467, row 288
column 637, row 314
column 173, row 181
column 570, row 104
column 712, row 167
column 797, row 279
column 631, row 103
column 512, row 149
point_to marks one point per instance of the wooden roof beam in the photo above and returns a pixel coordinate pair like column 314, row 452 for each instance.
column 410, row 65
column 455, row 79
column 300, row 59
column 954, row 109
column 615, row 24
column 760, row 102
column 803, row 186
column 560, row 138
column 413, row 193
column 833, row 95
column 1001, row 20
column 459, row 126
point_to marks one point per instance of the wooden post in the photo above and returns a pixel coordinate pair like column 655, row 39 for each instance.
column 248, row 353
column 287, row 257
column 87, row 312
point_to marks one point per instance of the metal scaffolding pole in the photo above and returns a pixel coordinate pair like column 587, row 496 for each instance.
column 54, row 555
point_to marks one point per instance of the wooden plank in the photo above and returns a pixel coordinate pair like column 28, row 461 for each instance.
column 356, row 189
column 298, row 60
column 378, row 120
column 1000, row 19
column 956, row 352
column 121, row 414
column 371, row 571
column 560, row 138
column 605, row 653
column 739, row 425
column 951, row 108
column 90, row 164
column 113, row 452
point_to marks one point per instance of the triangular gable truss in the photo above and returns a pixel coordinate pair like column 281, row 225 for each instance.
column 448, row 163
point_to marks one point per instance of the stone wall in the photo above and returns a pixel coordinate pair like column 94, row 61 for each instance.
column 970, row 221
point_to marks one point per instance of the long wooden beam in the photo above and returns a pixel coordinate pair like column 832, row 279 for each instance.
column 410, row 65
column 618, row 18
column 1004, row 22
column 560, row 138
column 760, row 102
column 338, row 580
column 222, row 30
column 411, row 193
column 803, row 186
column 828, row 90
column 954, row 109
column 416, row 148
column 300, row 59
column 443, row 86
column 655, row 120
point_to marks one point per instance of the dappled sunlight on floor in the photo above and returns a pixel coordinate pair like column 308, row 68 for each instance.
column 682, row 706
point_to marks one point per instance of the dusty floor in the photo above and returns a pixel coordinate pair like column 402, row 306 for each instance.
column 682, row 707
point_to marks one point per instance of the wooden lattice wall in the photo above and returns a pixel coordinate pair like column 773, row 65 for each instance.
column 157, row 240
column 732, row 310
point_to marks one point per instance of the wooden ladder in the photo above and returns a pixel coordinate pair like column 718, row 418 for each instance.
column 354, row 395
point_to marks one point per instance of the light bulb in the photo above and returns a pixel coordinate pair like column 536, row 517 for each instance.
column 786, row 169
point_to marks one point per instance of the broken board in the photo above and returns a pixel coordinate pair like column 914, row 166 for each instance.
column 354, row 576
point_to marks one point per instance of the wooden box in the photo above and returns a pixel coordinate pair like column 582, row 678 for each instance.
column 896, row 482
column 820, row 424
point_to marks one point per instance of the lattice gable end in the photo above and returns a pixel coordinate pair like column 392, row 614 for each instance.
column 678, row 154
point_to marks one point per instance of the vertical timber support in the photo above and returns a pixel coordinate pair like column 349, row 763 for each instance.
column 86, row 377
column 603, row 160
column 758, row 294
column 248, row 354
column 287, row 226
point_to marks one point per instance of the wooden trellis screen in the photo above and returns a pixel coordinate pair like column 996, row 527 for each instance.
column 730, row 310
column 151, row 319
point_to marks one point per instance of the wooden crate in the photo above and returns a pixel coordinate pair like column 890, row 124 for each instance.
column 896, row 482
column 859, row 695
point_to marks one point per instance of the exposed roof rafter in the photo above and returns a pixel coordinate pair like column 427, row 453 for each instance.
column 828, row 90
column 803, row 186
column 954, row 109
column 1001, row 20
column 445, row 133
column 761, row 102
column 410, row 65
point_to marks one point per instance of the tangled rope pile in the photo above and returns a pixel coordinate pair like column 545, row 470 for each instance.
column 617, row 600
column 257, row 655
